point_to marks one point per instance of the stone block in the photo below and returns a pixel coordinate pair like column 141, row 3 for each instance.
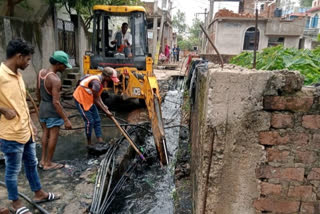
column 289, row 103
column 276, row 206
column 284, row 82
column 282, row 121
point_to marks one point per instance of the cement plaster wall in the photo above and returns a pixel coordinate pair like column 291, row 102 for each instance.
column 225, row 152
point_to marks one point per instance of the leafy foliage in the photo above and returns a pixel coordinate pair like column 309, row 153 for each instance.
column 305, row 3
column 193, row 39
column 179, row 22
column 84, row 7
column 307, row 62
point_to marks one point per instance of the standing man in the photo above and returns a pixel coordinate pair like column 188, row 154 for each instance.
column 174, row 51
column 178, row 52
column 123, row 40
column 87, row 98
column 17, row 130
column 52, row 115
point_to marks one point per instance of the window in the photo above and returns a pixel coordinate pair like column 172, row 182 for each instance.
column 249, row 39
column 274, row 41
column 314, row 21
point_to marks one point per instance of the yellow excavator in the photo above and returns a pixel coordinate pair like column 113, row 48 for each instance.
column 137, row 80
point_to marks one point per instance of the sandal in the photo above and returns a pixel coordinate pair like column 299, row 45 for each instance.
column 21, row 210
column 51, row 197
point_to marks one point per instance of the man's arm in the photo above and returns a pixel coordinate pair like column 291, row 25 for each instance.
column 55, row 92
column 128, row 39
column 100, row 104
column 9, row 114
column 38, row 88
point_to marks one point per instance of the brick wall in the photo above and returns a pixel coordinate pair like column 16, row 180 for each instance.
column 290, row 176
column 255, row 139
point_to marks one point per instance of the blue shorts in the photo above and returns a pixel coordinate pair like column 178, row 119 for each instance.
column 52, row 122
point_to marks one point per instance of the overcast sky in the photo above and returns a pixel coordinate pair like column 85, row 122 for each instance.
column 191, row 7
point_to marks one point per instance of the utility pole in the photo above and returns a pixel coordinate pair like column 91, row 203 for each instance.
column 155, row 29
column 204, row 38
column 255, row 39
column 211, row 11
column 208, row 21
column 164, row 14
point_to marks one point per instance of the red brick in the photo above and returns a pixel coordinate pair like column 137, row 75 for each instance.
column 296, row 174
column 272, row 138
column 293, row 103
column 277, row 155
column 305, row 157
column 307, row 208
column 299, row 139
column 316, row 141
column 301, row 192
column 264, row 204
column 282, row 121
column 290, row 174
column 270, row 189
column 311, row 121
column 314, row 174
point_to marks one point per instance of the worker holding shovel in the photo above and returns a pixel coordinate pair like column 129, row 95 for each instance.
column 88, row 96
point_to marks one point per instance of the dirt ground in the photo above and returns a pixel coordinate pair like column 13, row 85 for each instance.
column 75, row 182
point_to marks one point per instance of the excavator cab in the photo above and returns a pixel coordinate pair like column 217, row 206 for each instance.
column 130, row 59
column 108, row 21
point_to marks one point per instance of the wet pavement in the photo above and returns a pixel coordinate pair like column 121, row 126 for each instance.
column 150, row 189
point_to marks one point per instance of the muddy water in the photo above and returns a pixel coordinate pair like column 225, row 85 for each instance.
column 73, row 147
column 151, row 189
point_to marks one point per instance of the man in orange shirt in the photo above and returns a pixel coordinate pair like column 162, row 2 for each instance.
column 17, row 130
column 87, row 96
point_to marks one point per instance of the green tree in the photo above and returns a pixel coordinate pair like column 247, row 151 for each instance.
column 9, row 6
column 179, row 22
column 84, row 7
column 193, row 38
column 305, row 3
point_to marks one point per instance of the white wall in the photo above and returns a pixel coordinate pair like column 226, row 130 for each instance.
column 230, row 36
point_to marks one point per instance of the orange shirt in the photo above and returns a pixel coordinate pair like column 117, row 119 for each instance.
column 84, row 95
column 13, row 96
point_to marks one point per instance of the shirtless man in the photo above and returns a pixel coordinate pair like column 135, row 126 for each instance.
column 52, row 115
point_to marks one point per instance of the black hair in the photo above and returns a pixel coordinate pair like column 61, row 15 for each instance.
column 124, row 23
column 54, row 62
column 19, row 46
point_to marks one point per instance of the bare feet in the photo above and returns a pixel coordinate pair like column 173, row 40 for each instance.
column 100, row 140
column 53, row 166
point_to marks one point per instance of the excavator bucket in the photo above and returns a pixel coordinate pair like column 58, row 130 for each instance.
column 152, row 98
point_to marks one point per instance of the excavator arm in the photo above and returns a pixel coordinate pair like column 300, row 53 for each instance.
column 152, row 99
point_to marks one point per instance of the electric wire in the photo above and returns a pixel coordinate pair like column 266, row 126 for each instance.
column 42, row 210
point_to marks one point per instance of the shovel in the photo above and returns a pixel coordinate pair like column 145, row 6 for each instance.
column 125, row 134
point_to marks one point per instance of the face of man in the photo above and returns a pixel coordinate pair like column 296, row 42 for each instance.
column 22, row 61
column 124, row 29
column 61, row 67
